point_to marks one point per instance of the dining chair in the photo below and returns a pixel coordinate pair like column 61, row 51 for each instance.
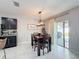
column 2, row 45
column 43, row 43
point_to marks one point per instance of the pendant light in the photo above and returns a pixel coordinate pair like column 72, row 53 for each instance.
column 40, row 22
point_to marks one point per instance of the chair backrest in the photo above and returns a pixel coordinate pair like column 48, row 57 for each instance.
column 2, row 43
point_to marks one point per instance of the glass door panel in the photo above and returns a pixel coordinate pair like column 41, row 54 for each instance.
column 66, row 33
column 60, row 33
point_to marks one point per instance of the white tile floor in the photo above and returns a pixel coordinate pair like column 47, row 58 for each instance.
column 25, row 51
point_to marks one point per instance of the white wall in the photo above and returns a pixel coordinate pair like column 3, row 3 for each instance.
column 73, row 18
column 23, row 33
column 49, row 25
column 74, row 29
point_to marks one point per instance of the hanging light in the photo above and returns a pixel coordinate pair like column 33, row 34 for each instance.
column 40, row 22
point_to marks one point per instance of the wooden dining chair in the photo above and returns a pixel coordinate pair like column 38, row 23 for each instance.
column 2, row 45
column 43, row 43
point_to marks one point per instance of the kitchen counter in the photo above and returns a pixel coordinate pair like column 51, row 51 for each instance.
column 7, row 35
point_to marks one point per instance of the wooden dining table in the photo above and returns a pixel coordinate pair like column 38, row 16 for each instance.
column 38, row 38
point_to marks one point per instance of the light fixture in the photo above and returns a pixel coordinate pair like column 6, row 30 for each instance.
column 16, row 4
column 40, row 22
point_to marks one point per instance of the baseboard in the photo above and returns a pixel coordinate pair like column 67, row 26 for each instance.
column 74, row 51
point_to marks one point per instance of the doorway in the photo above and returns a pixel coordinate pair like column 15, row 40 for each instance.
column 61, row 33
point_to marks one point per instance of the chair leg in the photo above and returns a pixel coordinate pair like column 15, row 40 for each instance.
column 47, row 50
column 38, row 51
column 34, row 48
column 4, row 54
column 43, row 50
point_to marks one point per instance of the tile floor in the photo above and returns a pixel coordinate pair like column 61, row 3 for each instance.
column 25, row 51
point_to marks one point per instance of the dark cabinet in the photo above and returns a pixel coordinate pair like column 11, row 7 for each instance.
column 9, row 30
column 9, row 23
column 5, row 24
column 11, row 42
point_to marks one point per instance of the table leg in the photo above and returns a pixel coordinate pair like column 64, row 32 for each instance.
column 50, row 44
column 31, row 40
column 38, row 51
column 38, row 48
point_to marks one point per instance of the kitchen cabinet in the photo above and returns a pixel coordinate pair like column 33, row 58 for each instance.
column 8, row 29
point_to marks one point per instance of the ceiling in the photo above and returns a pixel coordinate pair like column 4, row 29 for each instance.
column 30, row 8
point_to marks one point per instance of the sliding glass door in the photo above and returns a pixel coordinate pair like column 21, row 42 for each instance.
column 61, row 34
column 66, row 34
